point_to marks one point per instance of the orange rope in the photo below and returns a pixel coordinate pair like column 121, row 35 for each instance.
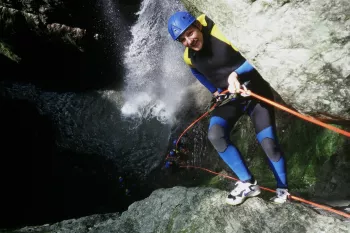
column 310, row 119
column 273, row 191
column 307, row 118
column 200, row 118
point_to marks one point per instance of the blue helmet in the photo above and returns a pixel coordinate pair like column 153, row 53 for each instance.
column 172, row 153
column 179, row 22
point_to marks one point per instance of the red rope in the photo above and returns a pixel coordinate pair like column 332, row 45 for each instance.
column 273, row 191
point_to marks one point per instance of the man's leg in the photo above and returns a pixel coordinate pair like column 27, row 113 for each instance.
column 218, row 136
column 219, row 128
column 263, row 121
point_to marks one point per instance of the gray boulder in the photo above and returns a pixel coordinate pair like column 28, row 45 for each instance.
column 182, row 209
column 302, row 48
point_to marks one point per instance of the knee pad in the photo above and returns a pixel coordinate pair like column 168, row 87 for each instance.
column 267, row 140
column 217, row 137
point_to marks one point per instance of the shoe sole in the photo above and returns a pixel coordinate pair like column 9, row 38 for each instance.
column 278, row 203
column 253, row 194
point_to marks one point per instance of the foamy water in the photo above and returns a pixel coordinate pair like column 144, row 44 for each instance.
column 157, row 77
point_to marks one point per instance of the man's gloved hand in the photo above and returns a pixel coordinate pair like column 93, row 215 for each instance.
column 233, row 83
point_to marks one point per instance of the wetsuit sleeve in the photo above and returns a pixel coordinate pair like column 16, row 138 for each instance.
column 244, row 68
column 202, row 79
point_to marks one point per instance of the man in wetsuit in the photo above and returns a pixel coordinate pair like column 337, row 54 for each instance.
column 218, row 65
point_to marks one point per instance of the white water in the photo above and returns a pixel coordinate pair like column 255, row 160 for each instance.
column 132, row 125
column 156, row 77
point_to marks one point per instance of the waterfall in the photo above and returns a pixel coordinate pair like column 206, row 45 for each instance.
column 132, row 124
column 80, row 140
column 156, row 77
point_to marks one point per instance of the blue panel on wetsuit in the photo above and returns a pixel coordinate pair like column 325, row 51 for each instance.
column 231, row 155
column 265, row 133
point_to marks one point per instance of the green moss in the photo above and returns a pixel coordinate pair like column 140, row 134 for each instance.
column 306, row 147
column 6, row 50
column 218, row 182
column 170, row 225
column 193, row 229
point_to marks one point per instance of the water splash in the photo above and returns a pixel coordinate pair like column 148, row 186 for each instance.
column 123, row 125
column 156, row 78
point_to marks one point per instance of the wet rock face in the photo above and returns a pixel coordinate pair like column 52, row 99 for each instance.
column 38, row 14
column 57, row 45
column 182, row 209
column 52, row 44
column 66, row 23
column 301, row 48
column 47, row 184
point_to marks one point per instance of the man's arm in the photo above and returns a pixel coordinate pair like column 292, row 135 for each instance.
column 202, row 79
column 246, row 67
column 234, row 84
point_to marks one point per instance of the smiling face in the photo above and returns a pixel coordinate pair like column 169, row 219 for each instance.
column 192, row 38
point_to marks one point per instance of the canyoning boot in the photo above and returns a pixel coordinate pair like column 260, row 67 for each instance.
column 242, row 191
column 175, row 142
column 281, row 196
column 172, row 153
column 168, row 164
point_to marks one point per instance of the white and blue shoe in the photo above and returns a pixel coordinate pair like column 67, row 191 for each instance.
column 242, row 191
column 281, row 196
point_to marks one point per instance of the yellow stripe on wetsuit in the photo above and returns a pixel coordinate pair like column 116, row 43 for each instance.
column 218, row 34
column 187, row 59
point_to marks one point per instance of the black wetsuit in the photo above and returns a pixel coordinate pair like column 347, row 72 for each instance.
column 212, row 66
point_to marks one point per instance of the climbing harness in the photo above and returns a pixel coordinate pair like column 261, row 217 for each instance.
column 221, row 100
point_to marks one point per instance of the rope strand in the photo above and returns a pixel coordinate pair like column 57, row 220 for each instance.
column 306, row 118
column 248, row 92
column 273, row 191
